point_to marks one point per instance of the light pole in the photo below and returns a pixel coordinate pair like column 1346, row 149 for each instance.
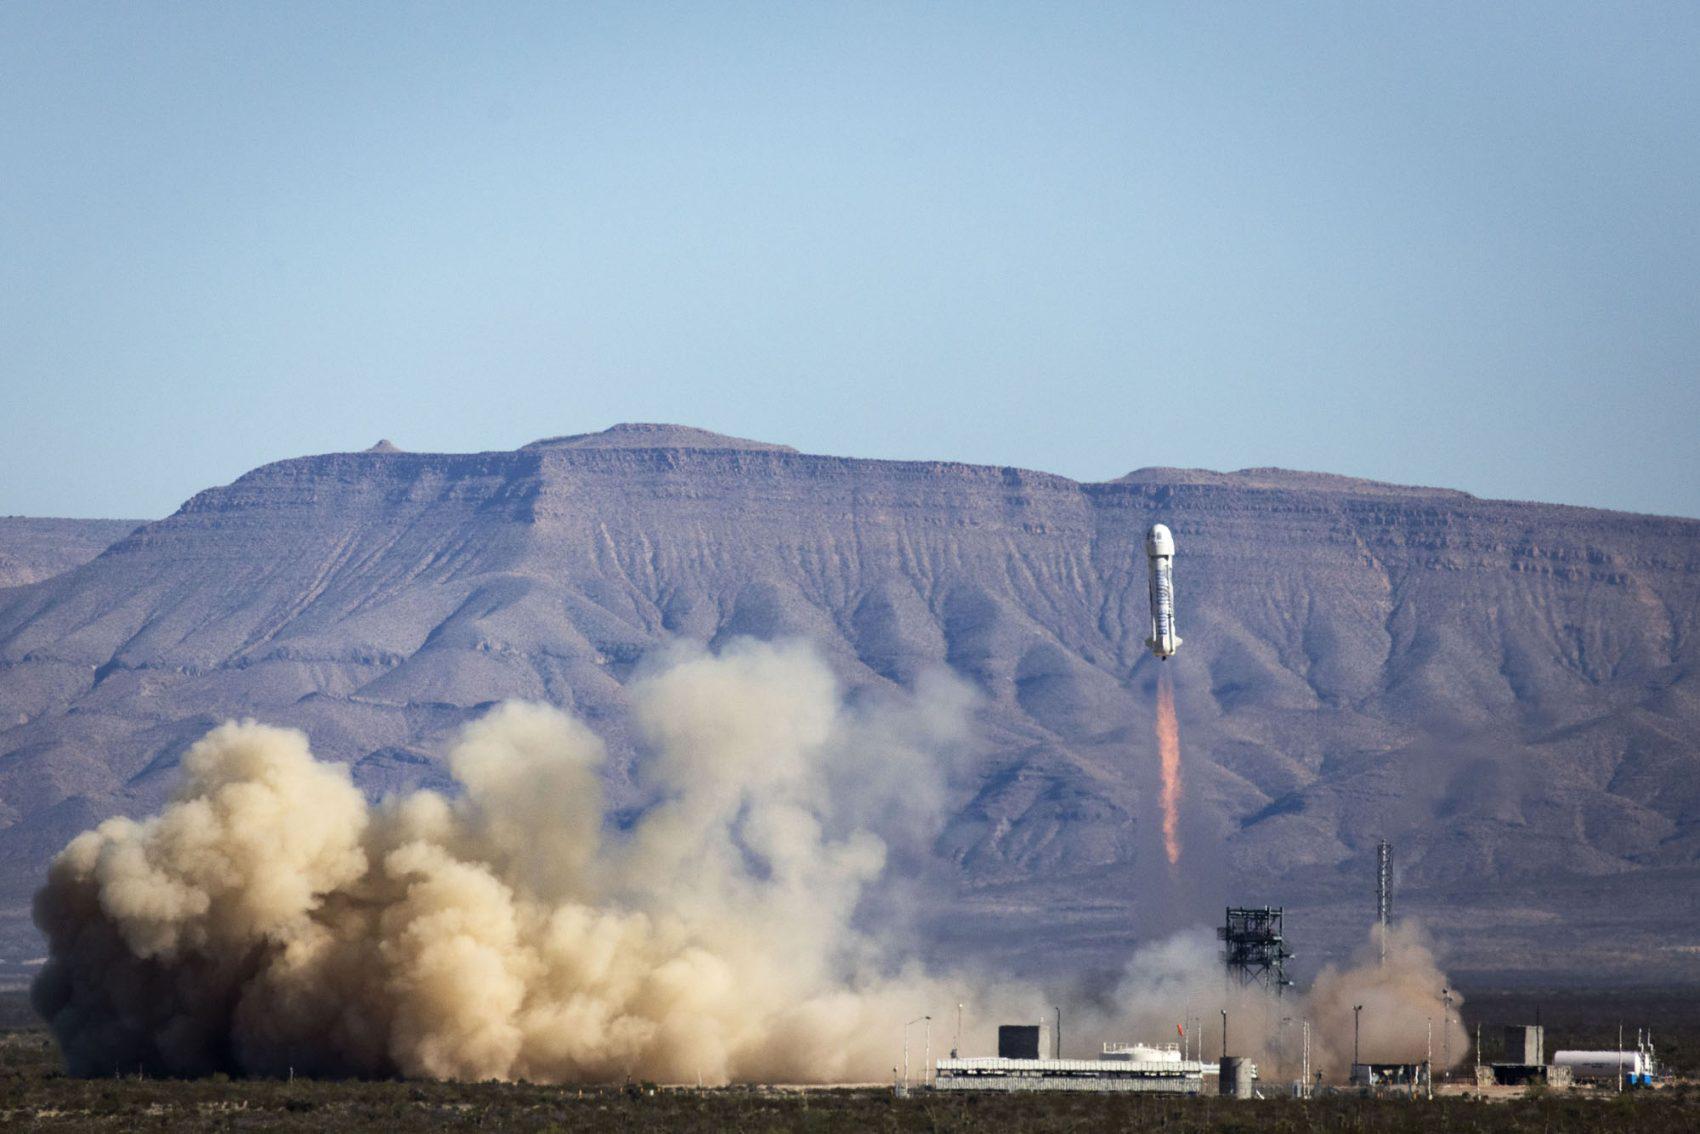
column 1446, row 1032
column 906, row 1028
column 927, row 1068
column 1428, row 1059
column 1306, row 1026
column 1357, row 1012
column 956, row 1048
column 1304, row 1055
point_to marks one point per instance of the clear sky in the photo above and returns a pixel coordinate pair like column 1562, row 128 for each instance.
column 1428, row 243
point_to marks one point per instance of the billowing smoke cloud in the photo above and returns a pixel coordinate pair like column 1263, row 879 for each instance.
column 1181, row 977
column 269, row 918
column 1401, row 999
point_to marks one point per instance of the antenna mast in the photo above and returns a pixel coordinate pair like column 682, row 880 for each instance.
column 1383, row 892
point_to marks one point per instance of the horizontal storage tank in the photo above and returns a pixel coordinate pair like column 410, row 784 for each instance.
column 1604, row 1064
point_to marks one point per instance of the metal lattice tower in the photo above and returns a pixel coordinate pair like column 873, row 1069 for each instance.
column 1383, row 892
column 1253, row 949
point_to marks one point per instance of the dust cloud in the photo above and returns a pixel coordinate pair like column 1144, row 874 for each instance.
column 1179, row 981
column 269, row 920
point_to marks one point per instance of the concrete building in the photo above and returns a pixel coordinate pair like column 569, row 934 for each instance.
column 1021, row 1041
column 1525, row 1061
column 1525, row 1044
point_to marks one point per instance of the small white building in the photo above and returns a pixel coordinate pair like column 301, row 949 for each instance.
column 1118, row 1068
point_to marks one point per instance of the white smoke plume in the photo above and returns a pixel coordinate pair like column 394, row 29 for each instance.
column 269, row 919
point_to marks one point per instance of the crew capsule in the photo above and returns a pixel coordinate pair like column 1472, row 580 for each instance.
column 1160, row 553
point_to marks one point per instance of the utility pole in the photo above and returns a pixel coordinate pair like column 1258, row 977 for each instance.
column 1057, row 1045
column 1306, row 1058
column 1304, row 1054
column 927, row 1070
column 1446, row 1032
column 906, row 1027
column 1428, row 1058
column 956, row 1048
column 1357, row 1012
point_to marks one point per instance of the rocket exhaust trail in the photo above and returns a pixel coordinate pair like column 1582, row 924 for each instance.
column 1160, row 554
column 1169, row 752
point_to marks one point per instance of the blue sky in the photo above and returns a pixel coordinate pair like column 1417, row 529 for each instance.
column 1429, row 243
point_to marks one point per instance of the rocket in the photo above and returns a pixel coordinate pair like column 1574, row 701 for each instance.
column 1160, row 550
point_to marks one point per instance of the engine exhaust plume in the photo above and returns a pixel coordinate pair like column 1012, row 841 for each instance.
column 1169, row 756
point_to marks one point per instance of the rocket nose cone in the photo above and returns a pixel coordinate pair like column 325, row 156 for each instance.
column 1158, row 541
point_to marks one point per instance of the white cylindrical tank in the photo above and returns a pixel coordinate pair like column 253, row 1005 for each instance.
column 1233, row 1080
column 1603, row 1064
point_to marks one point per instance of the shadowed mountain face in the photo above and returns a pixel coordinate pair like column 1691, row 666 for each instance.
column 1507, row 691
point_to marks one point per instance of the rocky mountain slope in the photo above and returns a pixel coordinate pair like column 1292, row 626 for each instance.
column 33, row 549
column 1506, row 690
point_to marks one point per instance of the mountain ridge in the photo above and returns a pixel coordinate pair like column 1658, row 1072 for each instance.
column 33, row 548
column 1506, row 689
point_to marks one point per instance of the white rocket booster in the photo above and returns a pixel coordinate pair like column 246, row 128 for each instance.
column 1160, row 550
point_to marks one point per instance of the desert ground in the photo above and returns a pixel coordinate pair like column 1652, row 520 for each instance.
column 35, row 1094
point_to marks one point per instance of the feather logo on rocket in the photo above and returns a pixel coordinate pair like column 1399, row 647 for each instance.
column 1160, row 550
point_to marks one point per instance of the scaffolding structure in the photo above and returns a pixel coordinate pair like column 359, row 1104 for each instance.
column 1253, row 949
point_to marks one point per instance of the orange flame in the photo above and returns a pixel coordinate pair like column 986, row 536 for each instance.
column 1169, row 749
